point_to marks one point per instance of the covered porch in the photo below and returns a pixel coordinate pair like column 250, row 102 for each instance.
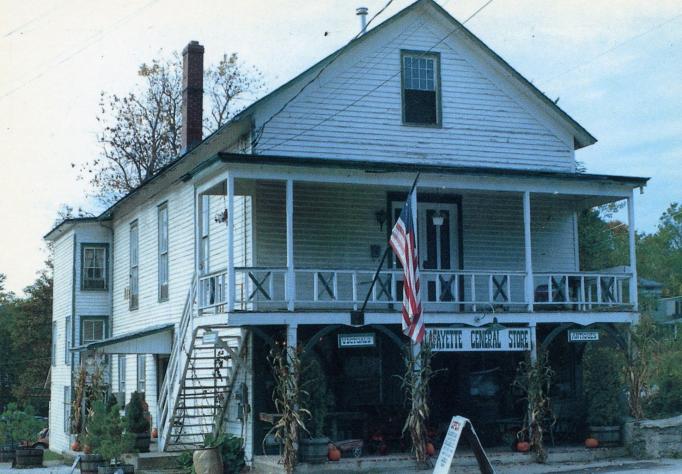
column 308, row 236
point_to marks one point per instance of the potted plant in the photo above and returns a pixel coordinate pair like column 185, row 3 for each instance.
column 21, row 426
column 602, row 382
column 223, row 450
column 107, row 438
column 137, row 422
column 314, row 448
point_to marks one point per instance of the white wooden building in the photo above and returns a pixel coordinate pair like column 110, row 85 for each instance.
column 274, row 225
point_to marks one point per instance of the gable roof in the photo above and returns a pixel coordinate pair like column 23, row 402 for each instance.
column 581, row 136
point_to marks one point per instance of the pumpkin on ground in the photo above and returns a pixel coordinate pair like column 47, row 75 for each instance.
column 523, row 446
column 334, row 454
column 591, row 443
column 430, row 449
column 75, row 446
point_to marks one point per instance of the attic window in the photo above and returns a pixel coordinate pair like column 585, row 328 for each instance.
column 421, row 88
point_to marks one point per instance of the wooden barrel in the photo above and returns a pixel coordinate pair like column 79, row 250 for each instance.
column 90, row 463
column 7, row 454
column 29, row 457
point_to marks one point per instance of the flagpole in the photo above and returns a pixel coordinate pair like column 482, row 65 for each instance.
column 388, row 248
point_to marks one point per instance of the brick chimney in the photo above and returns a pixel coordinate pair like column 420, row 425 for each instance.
column 192, row 95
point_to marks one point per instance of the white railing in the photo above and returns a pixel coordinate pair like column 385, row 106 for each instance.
column 178, row 358
column 438, row 288
column 582, row 291
column 263, row 288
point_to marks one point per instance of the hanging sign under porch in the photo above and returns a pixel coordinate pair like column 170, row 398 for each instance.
column 583, row 335
column 356, row 340
column 478, row 339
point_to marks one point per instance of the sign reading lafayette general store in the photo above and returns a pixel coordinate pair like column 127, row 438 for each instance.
column 478, row 339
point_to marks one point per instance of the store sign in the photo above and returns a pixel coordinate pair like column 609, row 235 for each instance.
column 356, row 340
column 479, row 339
column 583, row 335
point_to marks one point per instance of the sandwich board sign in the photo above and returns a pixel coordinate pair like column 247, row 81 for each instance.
column 460, row 426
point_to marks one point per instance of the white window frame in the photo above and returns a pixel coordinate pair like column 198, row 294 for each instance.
column 85, row 331
column 163, row 256
column 103, row 250
column 134, row 260
column 141, row 373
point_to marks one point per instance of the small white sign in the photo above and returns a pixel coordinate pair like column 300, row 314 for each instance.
column 478, row 339
column 356, row 340
column 447, row 451
column 583, row 335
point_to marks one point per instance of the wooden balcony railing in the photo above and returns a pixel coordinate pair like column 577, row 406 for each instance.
column 265, row 288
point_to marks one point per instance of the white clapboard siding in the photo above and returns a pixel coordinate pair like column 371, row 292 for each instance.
column 91, row 303
column 151, row 312
column 61, row 308
column 334, row 227
column 486, row 120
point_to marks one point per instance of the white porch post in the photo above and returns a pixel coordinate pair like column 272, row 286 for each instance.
column 633, row 256
column 291, row 275
column 230, row 243
column 533, row 344
column 529, row 288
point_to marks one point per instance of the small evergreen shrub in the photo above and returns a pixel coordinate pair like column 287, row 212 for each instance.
column 603, row 383
column 18, row 425
column 136, row 421
column 106, row 434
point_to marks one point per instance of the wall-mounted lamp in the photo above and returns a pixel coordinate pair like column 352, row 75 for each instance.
column 438, row 218
column 381, row 218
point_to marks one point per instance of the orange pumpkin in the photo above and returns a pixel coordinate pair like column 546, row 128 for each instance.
column 591, row 443
column 155, row 433
column 75, row 446
column 523, row 446
column 87, row 449
column 430, row 449
column 333, row 454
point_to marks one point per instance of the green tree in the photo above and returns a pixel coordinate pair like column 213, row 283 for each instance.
column 660, row 254
column 603, row 241
column 140, row 131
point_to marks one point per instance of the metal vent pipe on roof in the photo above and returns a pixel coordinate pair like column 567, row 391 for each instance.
column 362, row 13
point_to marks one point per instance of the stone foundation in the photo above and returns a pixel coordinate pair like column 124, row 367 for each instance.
column 654, row 438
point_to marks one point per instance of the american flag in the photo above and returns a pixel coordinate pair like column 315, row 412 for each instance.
column 404, row 244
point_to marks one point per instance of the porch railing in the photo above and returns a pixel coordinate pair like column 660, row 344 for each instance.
column 264, row 288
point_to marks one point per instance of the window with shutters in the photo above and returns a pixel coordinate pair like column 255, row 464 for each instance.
column 421, row 88
column 163, row 251
column 94, row 267
column 134, row 277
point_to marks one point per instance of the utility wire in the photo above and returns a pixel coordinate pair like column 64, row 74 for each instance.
column 612, row 48
column 89, row 42
column 450, row 33
column 261, row 129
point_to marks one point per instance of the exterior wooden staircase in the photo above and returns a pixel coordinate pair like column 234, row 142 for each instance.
column 201, row 379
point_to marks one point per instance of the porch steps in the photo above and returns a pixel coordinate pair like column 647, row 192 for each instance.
column 502, row 459
column 155, row 463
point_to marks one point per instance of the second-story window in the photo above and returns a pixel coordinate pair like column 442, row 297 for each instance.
column 205, row 223
column 421, row 90
column 94, row 267
column 134, row 283
column 163, row 251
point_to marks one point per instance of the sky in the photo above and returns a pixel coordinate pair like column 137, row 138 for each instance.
column 615, row 66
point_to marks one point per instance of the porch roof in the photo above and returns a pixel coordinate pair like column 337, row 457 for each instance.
column 379, row 167
column 153, row 340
